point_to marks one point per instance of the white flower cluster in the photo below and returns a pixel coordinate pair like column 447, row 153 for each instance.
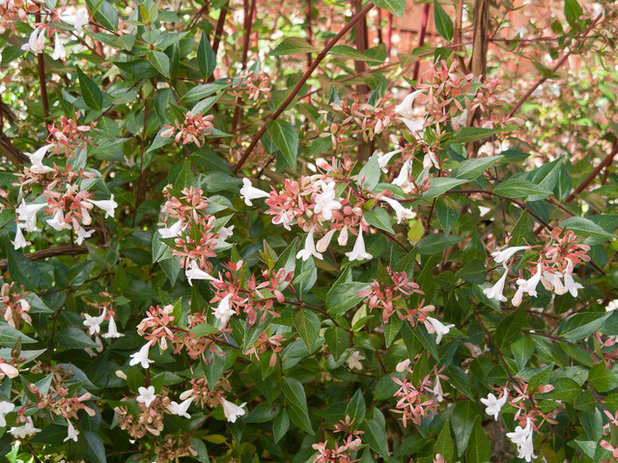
column 559, row 283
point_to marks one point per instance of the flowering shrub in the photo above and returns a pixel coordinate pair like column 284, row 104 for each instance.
column 239, row 233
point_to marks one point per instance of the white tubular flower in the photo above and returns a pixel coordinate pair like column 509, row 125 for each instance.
column 193, row 272
column 325, row 202
column 322, row 244
column 36, row 42
column 59, row 50
column 72, row 433
column 494, row 405
column 401, row 212
column 438, row 327
column 146, row 395
column 5, row 409
column 403, row 365
column 506, row 253
column 383, row 159
column 523, row 439
column 569, row 283
column 232, row 411
column 613, row 305
column 108, row 205
column 26, row 430
column 430, row 159
column 403, row 179
column 224, row 310
column 9, row 370
column 531, row 284
column 495, row 291
column 36, row 160
column 141, row 356
column 248, row 192
column 77, row 20
column 112, row 330
column 438, row 391
column 27, row 213
column 57, row 221
column 82, row 234
column 343, row 236
column 309, row 249
column 224, row 234
column 404, row 109
column 20, row 241
column 354, row 360
column 358, row 251
column 171, row 232
column 180, row 409
column 94, row 323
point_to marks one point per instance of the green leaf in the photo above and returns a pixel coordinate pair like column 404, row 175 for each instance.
column 160, row 62
column 345, row 51
column 582, row 325
column 356, row 408
column 462, row 420
column 214, row 370
column 572, row 11
column 293, row 46
column 284, row 136
column 379, row 218
column 307, row 324
column 565, row 389
column 604, row 379
column 519, row 188
column 470, row 169
column 104, row 13
column 96, row 448
column 375, row 433
column 397, row 7
column 470, row 134
column 281, row 424
column 24, row 271
column 370, row 174
column 10, row 335
column 447, row 214
column 337, row 341
column 206, row 59
column 92, row 94
column 444, row 444
column 74, row 338
column 300, row 418
column 479, row 449
column 443, row 22
column 202, row 91
column 585, row 227
column 344, row 296
column 437, row 242
column 294, row 392
column 440, row 185
column 509, row 329
column 78, row 274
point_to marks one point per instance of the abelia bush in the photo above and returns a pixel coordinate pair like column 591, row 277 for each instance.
column 239, row 233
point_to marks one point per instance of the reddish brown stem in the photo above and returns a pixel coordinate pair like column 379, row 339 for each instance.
column 421, row 37
column 606, row 162
column 389, row 33
column 556, row 66
column 357, row 17
column 50, row 252
column 249, row 12
column 219, row 30
column 41, row 70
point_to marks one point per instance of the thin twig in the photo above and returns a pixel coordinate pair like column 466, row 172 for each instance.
column 357, row 17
